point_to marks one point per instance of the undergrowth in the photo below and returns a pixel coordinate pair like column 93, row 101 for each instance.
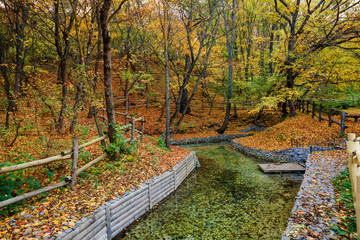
column 347, row 226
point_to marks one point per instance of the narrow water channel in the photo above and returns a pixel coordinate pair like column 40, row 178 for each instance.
column 227, row 198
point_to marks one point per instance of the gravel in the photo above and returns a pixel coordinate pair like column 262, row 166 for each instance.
column 298, row 154
column 314, row 210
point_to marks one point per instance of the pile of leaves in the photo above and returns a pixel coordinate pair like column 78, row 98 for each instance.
column 301, row 126
column 60, row 209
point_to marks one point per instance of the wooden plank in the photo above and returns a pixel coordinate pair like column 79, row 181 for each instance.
column 84, row 145
column 280, row 168
column 90, row 164
column 33, row 163
column 32, row 194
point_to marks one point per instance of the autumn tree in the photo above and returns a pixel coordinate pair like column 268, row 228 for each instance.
column 229, row 25
column 200, row 21
column 310, row 28
column 105, row 18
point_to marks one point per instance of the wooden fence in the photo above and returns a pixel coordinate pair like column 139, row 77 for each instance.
column 65, row 155
column 108, row 221
column 198, row 103
column 353, row 150
column 130, row 123
column 72, row 154
column 317, row 111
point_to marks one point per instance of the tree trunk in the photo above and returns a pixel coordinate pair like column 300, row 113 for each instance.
column 63, row 78
column 167, row 87
column 7, row 85
column 20, row 23
column 230, row 49
column 97, row 62
column 109, row 98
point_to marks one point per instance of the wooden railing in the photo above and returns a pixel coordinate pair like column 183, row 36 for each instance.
column 353, row 150
column 132, row 123
column 72, row 153
column 318, row 109
column 201, row 103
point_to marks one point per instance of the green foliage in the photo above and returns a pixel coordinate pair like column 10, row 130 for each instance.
column 341, row 105
column 12, row 185
column 83, row 130
column 120, row 145
column 282, row 137
column 161, row 143
column 342, row 185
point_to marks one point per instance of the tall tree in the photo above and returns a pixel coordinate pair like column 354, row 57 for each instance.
column 334, row 24
column 229, row 25
column 105, row 18
column 201, row 23
column 63, row 28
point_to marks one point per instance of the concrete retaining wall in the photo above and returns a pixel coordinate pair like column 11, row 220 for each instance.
column 116, row 215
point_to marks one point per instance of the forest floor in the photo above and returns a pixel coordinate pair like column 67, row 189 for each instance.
column 59, row 210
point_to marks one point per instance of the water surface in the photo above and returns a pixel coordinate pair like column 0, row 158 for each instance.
column 227, row 198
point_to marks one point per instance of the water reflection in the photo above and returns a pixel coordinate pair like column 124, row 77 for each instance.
column 228, row 198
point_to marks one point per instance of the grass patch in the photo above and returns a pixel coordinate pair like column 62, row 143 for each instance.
column 344, row 202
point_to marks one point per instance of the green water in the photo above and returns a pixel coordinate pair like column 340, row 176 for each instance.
column 227, row 198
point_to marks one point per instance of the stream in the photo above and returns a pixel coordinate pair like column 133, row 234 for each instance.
column 227, row 198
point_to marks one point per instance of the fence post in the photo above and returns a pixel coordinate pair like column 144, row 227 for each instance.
column 75, row 155
column 343, row 115
column 147, row 102
column 132, row 128
column 108, row 222
column 307, row 106
column 98, row 127
column 330, row 120
column 351, row 147
column 150, row 196
column 303, row 105
column 202, row 104
column 320, row 110
column 142, row 128
column 313, row 109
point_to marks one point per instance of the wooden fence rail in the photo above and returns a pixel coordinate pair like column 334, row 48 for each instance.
column 212, row 104
column 73, row 154
column 353, row 150
column 132, row 125
column 317, row 111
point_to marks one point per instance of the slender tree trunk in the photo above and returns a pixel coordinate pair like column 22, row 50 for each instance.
column 97, row 62
column 21, row 17
column 7, row 85
column 167, row 87
column 62, row 49
column 63, row 78
column 271, row 49
column 109, row 98
column 230, row 48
